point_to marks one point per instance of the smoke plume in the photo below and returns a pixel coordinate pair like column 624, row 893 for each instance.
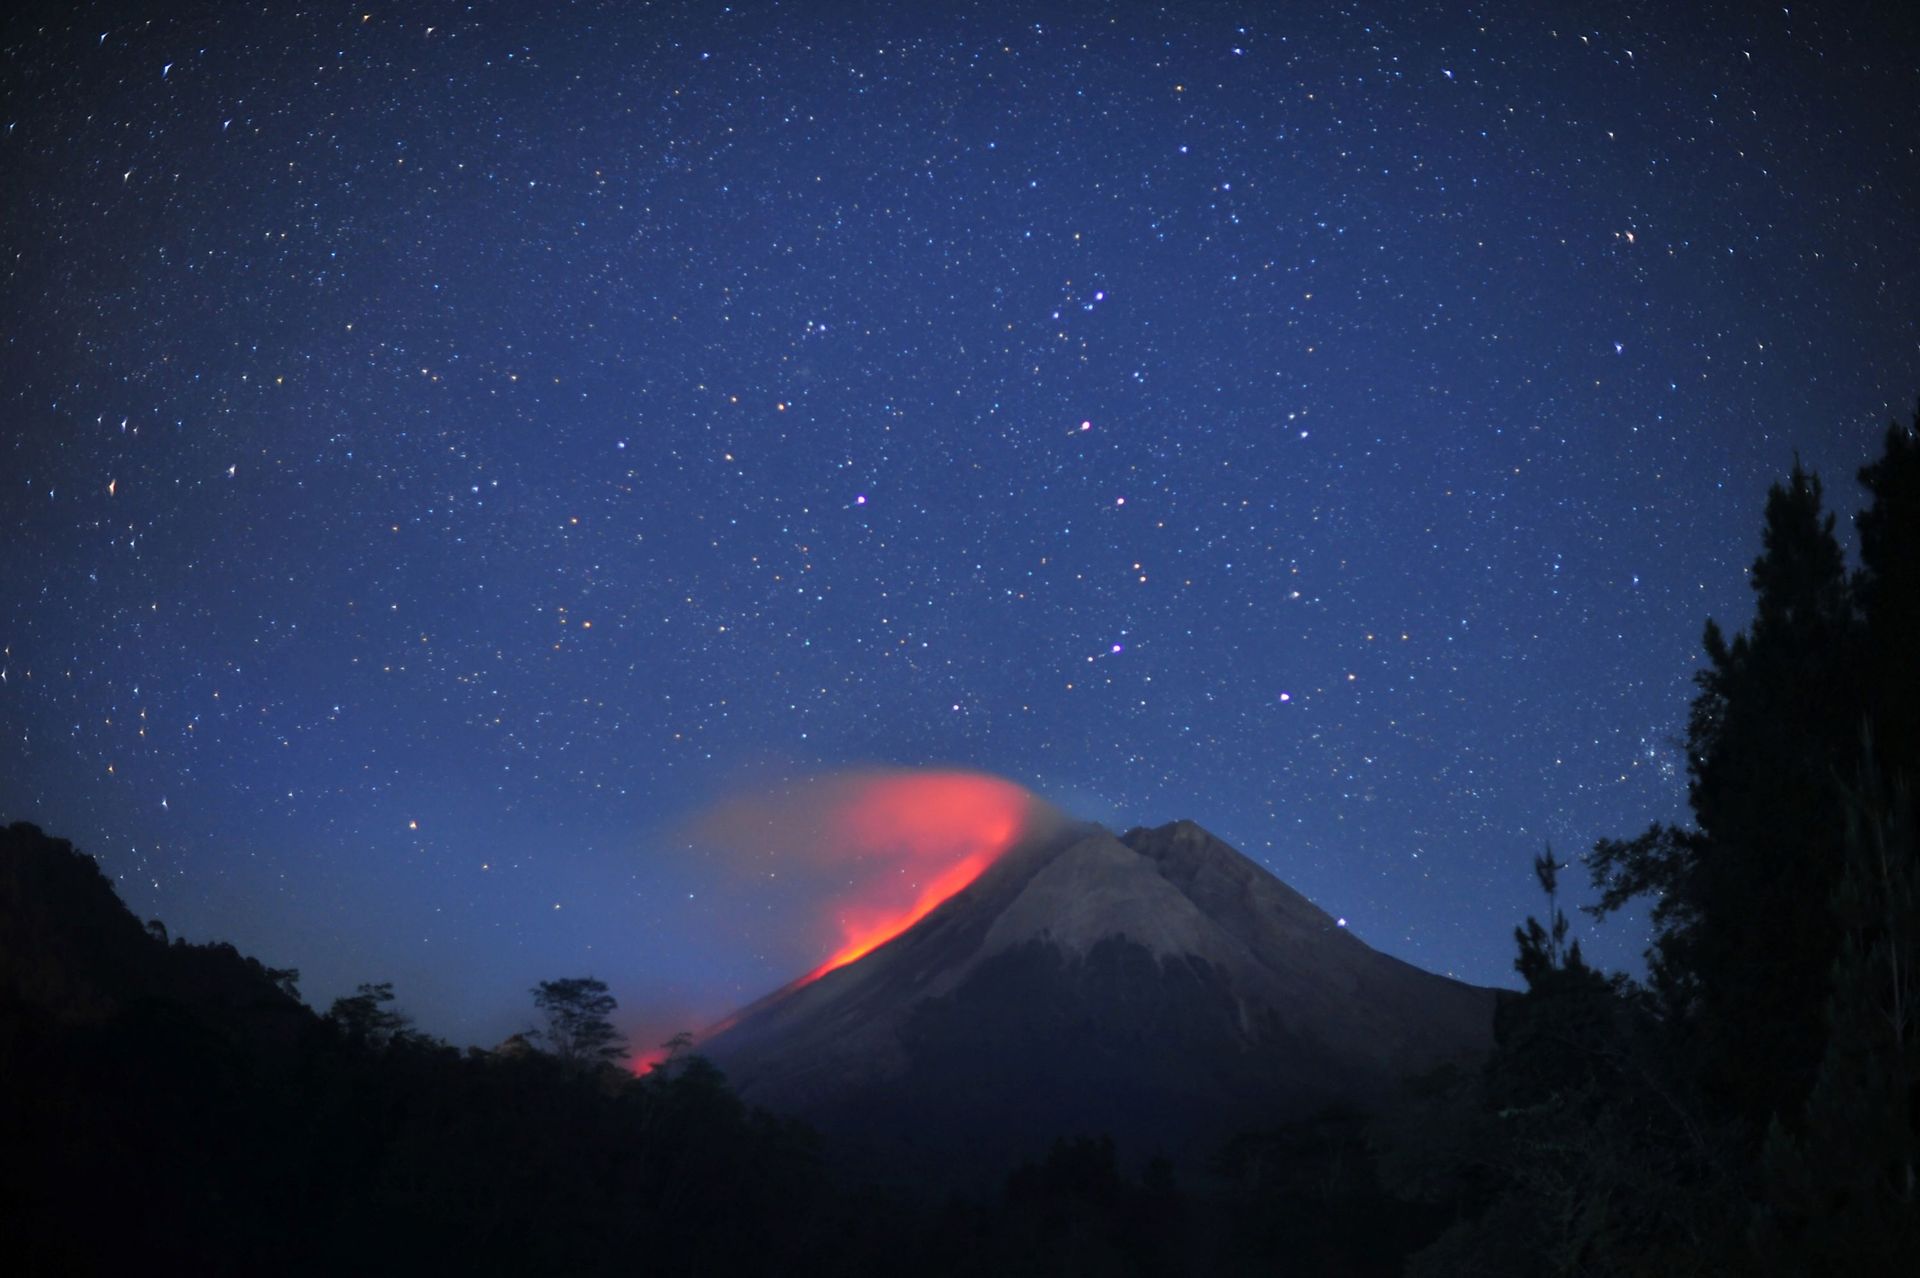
column 852, row 859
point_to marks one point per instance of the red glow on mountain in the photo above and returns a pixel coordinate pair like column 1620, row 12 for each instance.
column 839, row 864
column 867, row 929
column 938, row 831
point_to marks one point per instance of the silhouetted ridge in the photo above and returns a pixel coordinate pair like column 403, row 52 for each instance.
column 173, row 1108
column 70, row 949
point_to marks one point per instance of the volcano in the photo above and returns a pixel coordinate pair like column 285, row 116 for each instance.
column 1156, row 986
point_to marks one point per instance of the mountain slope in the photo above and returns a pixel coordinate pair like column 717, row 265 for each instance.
column 1159, row 986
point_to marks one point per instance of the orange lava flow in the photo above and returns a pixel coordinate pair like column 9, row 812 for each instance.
column 866, row 937
column 944, row 828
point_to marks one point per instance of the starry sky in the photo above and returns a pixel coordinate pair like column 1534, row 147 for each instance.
column 444, row 449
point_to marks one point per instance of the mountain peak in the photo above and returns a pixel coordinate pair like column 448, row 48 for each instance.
column 1225, row 883
column 1093, row 887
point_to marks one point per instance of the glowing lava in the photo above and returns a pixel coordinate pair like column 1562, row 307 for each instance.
column 944, row 829
column 867, row 932
column 859, row 857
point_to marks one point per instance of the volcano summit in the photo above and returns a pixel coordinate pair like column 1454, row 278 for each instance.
column 1157, row 986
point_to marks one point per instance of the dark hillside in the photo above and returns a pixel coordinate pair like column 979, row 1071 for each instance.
column 174, row 1107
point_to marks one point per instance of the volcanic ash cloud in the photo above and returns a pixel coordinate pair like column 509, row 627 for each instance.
column 867, row 854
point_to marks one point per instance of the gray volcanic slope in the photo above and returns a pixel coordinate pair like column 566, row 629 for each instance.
column 1159, row 987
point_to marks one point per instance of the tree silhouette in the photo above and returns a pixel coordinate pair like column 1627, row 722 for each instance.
column 1888, row 589
column 1743, row 938
column 1843, row 1180
column 1579, row 1151
column 1545, row 948
column 577, row 1031
column 286, row 980
column 364, row 1016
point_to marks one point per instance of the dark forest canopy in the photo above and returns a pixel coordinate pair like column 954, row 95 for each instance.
column 1750, row 1108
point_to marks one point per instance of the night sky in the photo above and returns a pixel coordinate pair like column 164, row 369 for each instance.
column 448, row 448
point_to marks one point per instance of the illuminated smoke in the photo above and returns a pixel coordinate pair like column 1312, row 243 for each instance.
column 866, row 855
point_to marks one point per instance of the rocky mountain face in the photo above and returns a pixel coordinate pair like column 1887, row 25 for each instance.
column 1157, row 986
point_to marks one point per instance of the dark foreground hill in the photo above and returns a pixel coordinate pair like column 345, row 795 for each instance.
column 175, row 1108
column 1158, row 987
